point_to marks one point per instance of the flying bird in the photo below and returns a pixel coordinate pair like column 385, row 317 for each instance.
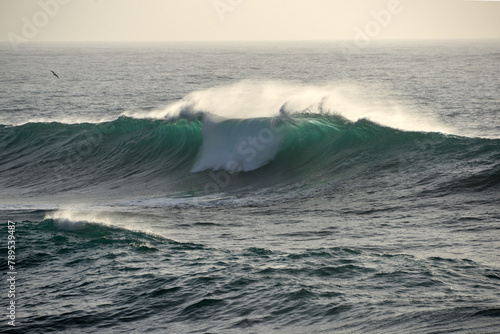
column 55, row 74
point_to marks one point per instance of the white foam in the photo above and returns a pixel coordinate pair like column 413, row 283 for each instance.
column 237, row 146
column 254, row 98
column 69, row 217
column 251, row 99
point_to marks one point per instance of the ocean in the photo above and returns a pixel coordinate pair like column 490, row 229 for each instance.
column 252, row 187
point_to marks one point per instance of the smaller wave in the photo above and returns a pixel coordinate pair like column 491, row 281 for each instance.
column 110, row 227
column 106, row 220
column 69, row 219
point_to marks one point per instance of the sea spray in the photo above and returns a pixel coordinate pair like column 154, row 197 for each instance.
column 256, row 99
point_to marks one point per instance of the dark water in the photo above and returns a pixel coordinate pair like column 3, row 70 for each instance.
column 252, row 188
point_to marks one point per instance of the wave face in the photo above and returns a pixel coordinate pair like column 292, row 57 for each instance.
column 165, row 157
column 239, row 145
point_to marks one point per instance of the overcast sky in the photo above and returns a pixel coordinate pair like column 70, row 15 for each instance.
column 205, row 20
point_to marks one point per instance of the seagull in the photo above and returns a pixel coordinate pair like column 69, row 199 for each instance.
column 55, row 74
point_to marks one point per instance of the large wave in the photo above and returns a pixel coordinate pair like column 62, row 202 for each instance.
column 195, row 147
column 168, row 156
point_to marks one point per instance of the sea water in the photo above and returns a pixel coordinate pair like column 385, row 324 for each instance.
column 252, row 188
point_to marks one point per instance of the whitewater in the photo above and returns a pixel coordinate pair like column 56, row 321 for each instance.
column 249, row 188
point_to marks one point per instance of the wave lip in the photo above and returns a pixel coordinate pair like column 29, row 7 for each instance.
column 249, row 99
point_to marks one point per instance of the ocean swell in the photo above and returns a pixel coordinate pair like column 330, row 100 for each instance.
column 180, row 155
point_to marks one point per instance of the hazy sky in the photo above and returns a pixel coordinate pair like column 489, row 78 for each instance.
column 177, row 20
